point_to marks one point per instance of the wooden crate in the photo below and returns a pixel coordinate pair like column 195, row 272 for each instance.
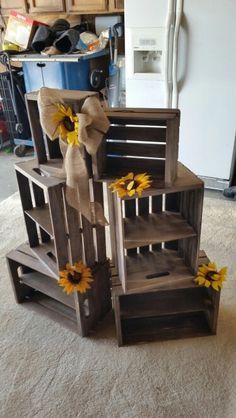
column 47, row 151
column 31, row 280
column 139, row 140
column 157, row 236
column 174, row 309
column 56, row 232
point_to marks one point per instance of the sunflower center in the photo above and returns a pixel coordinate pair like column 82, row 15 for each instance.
column 210, row 275
column 130, row 184
column 74, row 278
column 68, row 124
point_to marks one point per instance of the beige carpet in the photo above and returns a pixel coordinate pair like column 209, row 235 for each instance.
column 48, row 371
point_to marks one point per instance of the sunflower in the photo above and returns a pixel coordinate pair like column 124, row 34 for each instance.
column 208, row 275
column 131, row 184
column 67, row 124
column 75, row 277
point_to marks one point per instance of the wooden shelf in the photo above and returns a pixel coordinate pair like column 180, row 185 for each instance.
column 165, row 328
column 185, row 180
column 48, row 286
column 139, row 266
column 155, row 228
column 164, row 303
column 54, row 306
column 41, row 216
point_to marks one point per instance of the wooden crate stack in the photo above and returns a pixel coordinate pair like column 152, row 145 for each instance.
column 57, row 234
column 156, row 237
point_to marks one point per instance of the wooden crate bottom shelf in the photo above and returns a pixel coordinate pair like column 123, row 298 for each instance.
column 28, row 281
column 53, row 305
column 165, row 328
column 48, row 286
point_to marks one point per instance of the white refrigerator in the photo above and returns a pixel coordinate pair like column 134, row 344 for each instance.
column 181, row 53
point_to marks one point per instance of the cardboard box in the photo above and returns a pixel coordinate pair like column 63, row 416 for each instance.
column 21, row 29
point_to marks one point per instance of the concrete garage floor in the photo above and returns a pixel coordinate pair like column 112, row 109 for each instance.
column 8, row 183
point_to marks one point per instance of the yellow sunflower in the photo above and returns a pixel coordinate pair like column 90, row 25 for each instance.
column 131, row 184
column 67, row 124
column 75, row 277
column 208, row 275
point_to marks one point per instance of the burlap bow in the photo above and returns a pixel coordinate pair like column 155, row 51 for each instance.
column 93, row 124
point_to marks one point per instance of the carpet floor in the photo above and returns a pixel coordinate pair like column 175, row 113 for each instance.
column 47, row 370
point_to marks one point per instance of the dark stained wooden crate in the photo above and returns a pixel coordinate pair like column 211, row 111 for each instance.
column 139, row 140
column 174, row 309
column 159, row 233
column 31, row 280
column 56, row 232
column 47, row 151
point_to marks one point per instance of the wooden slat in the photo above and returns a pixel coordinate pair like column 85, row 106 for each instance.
column 128, row 120
column 135, row 149
column 26, row 201
column 139, row 165
column 166, row 261
column 116, row 306
column 36, row 130
column 143, row 209
column 43, row 253
column 155, row 228
column 191, row 207
column 156, row 208
column 57, row 214
column 100, row 230
column 119, row 231
column 140, row 113
column 20, row 290
column 41, row 216
column 172, row 204
column 31, row 170
column 165, row 303
column 55, row 307
column 47, row 286
column 130, row 211
column 172, row 145
column 24, row 257
column 165, row 328
column 112, row 227
column 89, row 250
column 75, row 238
column 137, row 133
column 40, row 202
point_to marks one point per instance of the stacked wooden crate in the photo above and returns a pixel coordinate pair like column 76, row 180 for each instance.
column 155, row 237
column 57, row 234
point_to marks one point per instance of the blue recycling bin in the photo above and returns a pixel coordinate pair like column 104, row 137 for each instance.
column 62, row 75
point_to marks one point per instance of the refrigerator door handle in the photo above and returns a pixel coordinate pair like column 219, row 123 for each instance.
column 169, row 17
column 179, row 11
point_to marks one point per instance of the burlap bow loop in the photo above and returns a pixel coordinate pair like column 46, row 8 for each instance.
column 92, row 125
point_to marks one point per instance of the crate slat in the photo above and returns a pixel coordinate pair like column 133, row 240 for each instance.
column 47, row 286
column 41, row 216
column 155, row 228
column 164, row 303
column 137, row 133
column 165, row 328
column 135, row 149
column 140, row 165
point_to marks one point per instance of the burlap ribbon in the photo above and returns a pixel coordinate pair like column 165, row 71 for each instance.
column 93, row 124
